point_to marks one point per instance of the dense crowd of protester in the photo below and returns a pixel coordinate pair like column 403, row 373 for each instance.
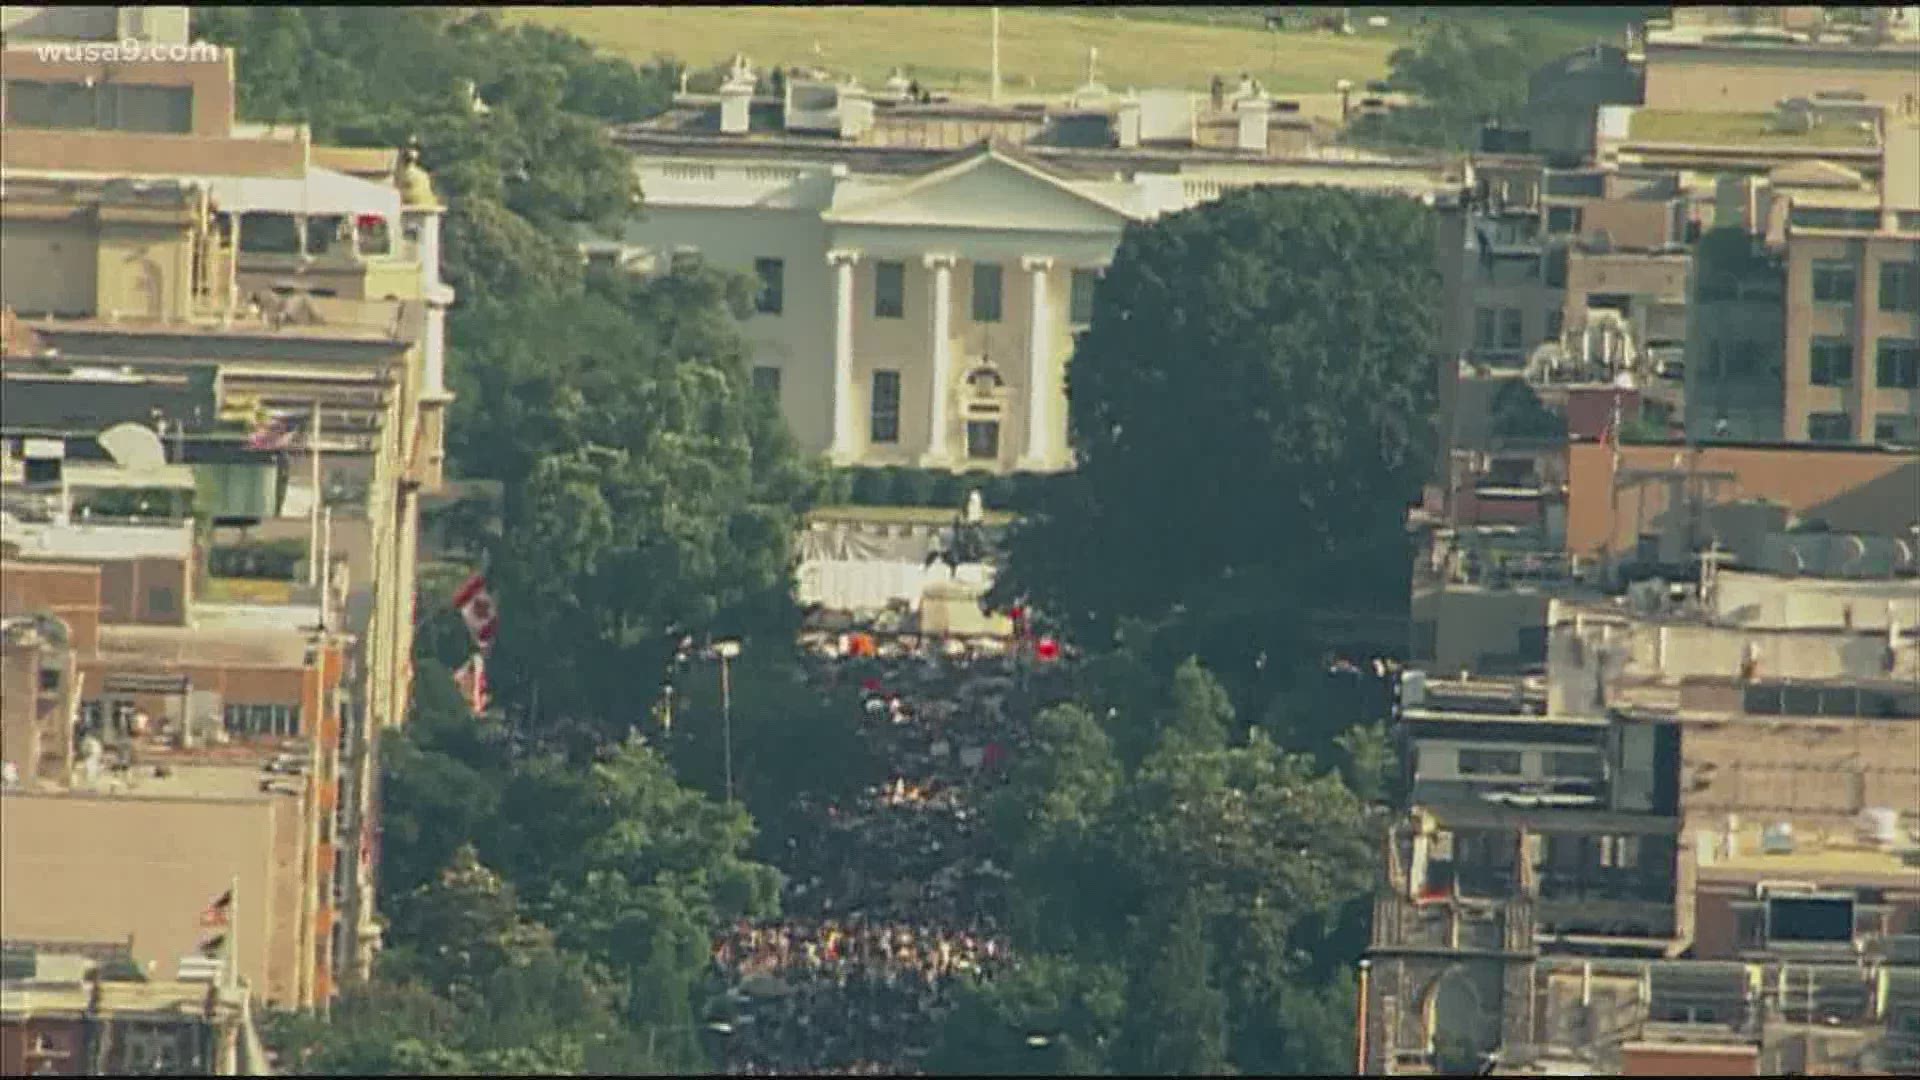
column 893, row 901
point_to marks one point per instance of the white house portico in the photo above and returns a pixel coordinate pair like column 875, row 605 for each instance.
column 960, row 367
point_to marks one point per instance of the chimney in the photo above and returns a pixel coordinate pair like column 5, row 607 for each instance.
column 1126, row 124
column 736, row 99
column 1254, row 114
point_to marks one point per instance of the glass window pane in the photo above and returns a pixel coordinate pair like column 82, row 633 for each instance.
column 986, row 292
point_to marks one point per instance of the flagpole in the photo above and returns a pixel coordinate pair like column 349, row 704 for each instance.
column 233, row 934
column 313, row 514
column 993, row 77
column 326, row 565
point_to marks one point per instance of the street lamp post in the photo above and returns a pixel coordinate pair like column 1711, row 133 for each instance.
column 717, row 1027
column 726, row 651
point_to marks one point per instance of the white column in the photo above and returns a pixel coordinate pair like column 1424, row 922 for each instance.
column 844, row 420
column 940, row 380
column 1039, row 453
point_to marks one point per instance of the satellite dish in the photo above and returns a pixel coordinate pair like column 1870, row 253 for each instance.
column 134, row 447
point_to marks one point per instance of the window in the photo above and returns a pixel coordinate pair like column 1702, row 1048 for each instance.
column 1897, row 364
column 884, row 423
column 1831, row 362
column 983, row 439
column 121, row 720
column 272, row 720
column 772, row 296
column 1900, row 286
column 163, row 109
column 986, row 292
column 1833, row 282
column 1830, row 427
column 1512, row 331
column 1619, row 852
column 324, row 231
column 766, row 382
column 51, row 105
column 269, row 234
column 1575, row 764
column 1899, row 428
column 889, row 290
column 1081, row 307
column 1556, row 324
column 373, row 236
column 1490, row 763
column 1483, row 328
column 49, row 679
column 160, row 600
column 1563, row 220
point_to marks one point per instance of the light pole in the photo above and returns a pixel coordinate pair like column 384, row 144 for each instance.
column 726, row 650
column 718, row 1027
column 1366, row 968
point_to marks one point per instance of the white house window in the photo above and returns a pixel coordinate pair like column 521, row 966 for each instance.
column 766, row 381
column 772, row 297
column 889, row 290
column 1080, row 308
column 983, row 439
column 986, row 292
column 884, row 422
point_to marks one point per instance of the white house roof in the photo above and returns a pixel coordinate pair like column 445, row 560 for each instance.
column 988, row 190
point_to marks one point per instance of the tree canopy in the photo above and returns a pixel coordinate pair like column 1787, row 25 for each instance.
column 1300, row 324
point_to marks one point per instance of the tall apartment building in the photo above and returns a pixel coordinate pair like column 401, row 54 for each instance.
column 923, row 266
column 1807, row 320
column 168, row 265
column 1691, row 844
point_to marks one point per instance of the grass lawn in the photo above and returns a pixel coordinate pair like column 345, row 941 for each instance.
column 1736, row 129
column 1042, row 52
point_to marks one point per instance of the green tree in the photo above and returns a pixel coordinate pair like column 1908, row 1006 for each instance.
column 1176, row 1017
column 1371, row 762
column 1049, row 1017
column 1301, row 324
column 1465, row 73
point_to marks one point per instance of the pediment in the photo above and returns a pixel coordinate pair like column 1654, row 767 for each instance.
column 989, row 191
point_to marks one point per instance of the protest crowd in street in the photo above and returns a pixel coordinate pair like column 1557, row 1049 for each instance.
column 892, row 902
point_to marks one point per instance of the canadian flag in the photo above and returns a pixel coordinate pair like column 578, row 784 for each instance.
column 475, row 605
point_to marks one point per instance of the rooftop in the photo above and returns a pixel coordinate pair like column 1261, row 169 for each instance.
column 237, row 783
column 266, row 637
column 321, row 318
column 1739, row 129
column 87, row 542
column 1662, row 33
column 1827, row 854
column 320, row 191
column 22, row 998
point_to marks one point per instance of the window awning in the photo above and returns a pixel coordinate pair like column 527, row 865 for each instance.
column 321, row 191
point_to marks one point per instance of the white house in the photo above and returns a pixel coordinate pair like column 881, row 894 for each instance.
column 918, row 299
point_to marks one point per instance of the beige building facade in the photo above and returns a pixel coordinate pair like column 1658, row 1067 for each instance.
column 305, row 281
